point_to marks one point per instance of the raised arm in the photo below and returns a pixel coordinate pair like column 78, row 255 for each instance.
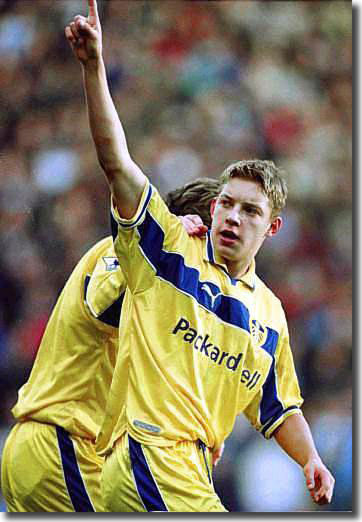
column 294, row 436
column 125, row 178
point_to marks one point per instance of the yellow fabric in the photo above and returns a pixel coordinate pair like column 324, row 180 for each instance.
column 32, row 474
column 197, row 346
column 179, row 472
column 280, row 391
column 70, row 378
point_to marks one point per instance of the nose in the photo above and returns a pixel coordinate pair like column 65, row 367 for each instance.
column 233, row 217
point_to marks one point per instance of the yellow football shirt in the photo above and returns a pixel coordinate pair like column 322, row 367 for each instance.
column 72, row 372
column 198, row 347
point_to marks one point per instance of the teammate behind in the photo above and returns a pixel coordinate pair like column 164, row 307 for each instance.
column 208, row 339
column 49, row 461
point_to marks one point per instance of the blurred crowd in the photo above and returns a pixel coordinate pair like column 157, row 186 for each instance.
column 197, row 85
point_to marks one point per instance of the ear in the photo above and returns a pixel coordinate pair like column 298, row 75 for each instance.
column 274, row 227
column 212, row 207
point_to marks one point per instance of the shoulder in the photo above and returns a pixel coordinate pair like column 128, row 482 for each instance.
column 101, row 248
column 270, row 301
column 89, row 261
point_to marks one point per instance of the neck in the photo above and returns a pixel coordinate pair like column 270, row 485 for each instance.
column 237, row 269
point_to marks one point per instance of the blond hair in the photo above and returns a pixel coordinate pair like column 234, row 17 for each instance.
column 264, row 172
column 194, row 198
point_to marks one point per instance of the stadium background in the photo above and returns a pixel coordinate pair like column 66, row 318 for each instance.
column 198, row 85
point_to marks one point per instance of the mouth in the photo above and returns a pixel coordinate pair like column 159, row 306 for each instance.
column 228, row 237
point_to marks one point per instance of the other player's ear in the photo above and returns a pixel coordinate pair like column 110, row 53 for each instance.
column 212, row 207
column 274, row 226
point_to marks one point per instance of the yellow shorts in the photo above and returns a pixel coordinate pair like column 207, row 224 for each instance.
column 43, row 468
column 151, row 478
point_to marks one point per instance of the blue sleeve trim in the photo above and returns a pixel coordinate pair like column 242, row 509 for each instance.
column 112, row 314
column 114, row 227
column 130, row 223
column 276, row 418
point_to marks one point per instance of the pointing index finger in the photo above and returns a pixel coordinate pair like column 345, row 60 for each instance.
column 92, row 10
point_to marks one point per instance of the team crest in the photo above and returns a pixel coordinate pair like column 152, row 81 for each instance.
column 112, row 263
column 258, row 332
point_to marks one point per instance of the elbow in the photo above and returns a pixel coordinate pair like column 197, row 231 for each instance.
column 112, row 167
column 113, row 173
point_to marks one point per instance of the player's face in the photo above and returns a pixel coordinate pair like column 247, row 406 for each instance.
column 241, row 221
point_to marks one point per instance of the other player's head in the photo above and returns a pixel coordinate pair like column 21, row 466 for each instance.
column 247, row 210
column 194, row 197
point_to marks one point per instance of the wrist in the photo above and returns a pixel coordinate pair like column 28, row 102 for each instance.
column 92, row 64
column 313, row 457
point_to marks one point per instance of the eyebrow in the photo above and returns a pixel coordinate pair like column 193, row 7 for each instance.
column 251, row 203
column 248, row 203
column 225, row 195
column 255, row 206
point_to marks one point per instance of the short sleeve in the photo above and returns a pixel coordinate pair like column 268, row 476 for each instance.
column 104, row 289
column 143, row 242
column 280, row 395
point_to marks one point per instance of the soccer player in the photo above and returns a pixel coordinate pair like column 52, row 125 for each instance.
column 206, row 339
column 49, row 461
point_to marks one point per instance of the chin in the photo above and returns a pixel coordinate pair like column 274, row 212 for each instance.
column 227, row 253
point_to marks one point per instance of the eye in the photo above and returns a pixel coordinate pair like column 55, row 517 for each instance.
column 251, row 210
column 225, row 202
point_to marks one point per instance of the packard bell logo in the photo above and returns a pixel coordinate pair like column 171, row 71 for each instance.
column 203, row 344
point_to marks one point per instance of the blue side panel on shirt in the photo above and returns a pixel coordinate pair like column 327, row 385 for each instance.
column 171, row 267
column 112, row 314
column 146, row 485
column 270, row 406
column 271, row 342
column 73, row 479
